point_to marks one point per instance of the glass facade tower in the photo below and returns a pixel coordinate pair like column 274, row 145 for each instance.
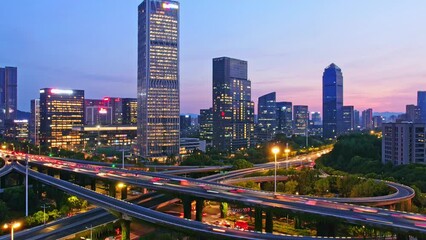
column 332, row 101
column 421, row 104
column 158, row 78
column 8, row 95
column 267, row 116
column 233, row 110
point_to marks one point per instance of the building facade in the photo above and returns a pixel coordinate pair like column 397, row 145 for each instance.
column 403, row 143
column 332, row 101
column 206, row 125
column 266, row 117
column 348, row 119
column 301, row 119
column 233, row 110
column 34, row 123
column 158, row 78
column 8, row 96
column 421, row 103
column 129, row 111
column 60, row 111
column 97, row 112
column 412, row 113
column 367, row 119
column 284, row 117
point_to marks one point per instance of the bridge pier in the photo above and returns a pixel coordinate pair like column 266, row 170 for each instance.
column 199, row 205
column 187, row 202
column 51, row 172
column 3, row 182
column 125, row 229
column 326, row 228
column 93, row 184
column 124, row 192
column 111, row 189
column 402, row 236
column 269, row 223
column 223, row 209
column 258, row 226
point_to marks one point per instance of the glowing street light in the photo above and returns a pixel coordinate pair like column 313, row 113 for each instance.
column 275, row 151
column 12, row 227
column 121, row 185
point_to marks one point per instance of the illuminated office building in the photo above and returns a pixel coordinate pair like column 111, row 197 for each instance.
column 233, row 110
column 60, row 110
column 8, row 96
column 206, row 124
column 284, row 117
column 267, row 117
column 332, row 101
column 129, row 111
column 158, row 78
column 97, row 112
column 34, row 123
column 348, row 119
column 301, row 119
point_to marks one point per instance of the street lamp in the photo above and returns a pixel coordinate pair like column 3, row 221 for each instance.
column 12, row 226
column 287, row 151
column 275, row 151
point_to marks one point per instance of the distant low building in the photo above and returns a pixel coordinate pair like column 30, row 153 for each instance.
column 188, row 145
column 403, row 143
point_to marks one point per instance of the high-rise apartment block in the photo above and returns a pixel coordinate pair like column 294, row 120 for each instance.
column 412, row 113
column 284, row 111
column 332, row 101
column 60, row 111
column 129, row 111
column 266, row 116
column 301, row 119
column 233, row 110
column 8, row 96
column 367, row 119
column 348, row 119
column 403, row 143
column 158, row 79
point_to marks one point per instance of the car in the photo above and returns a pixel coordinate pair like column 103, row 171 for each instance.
column 237, row 190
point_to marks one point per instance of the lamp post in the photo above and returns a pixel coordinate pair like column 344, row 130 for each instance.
column 275, row 151
column 12, row 227
column 91, row 231
column 44, row 213
column 287, row 151
column 26, row 183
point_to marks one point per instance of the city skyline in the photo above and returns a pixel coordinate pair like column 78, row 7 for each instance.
column 382, row 67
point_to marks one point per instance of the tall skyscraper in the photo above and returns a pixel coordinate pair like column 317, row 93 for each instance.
column 348, row 119
column 35, row 122
column 206, row 124
column 266, row 116
column 284, row 117
column 367, row 119
column 233, row 116
column 421, row 103
column 8, row 96
column 332, row 101
column 301, row 119
column 158, row 78
column 60, row 111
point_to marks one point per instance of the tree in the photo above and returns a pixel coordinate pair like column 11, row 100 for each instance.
column 241, row 164
column 280, row 187
column 4, row 211
column 223, row 209
column 291, row 186
column 322, row 186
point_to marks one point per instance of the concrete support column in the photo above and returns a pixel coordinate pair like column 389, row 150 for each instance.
column 199, row 210
column 408, row 205
column 326, row 228
column 123, row 192
column 223, row 209
column 258, row 226
column 269, row 223
column 111, row 188
column 93, row 184
column 144, row 190
column 125, row 229
column 186, row 207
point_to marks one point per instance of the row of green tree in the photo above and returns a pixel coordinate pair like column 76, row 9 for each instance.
column 361, row 154
column 309, row 182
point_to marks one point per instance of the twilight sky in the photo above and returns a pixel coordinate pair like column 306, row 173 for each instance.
column 92, row 45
